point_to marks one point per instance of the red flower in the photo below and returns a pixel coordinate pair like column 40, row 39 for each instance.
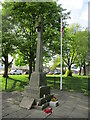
column 48, row 110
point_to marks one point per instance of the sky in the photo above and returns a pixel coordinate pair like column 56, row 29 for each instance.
column 79, row 11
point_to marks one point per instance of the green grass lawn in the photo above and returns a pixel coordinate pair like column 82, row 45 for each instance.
column 14, row 82
column 75, row 83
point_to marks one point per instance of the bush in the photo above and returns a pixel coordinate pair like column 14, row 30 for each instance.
column 69, row 73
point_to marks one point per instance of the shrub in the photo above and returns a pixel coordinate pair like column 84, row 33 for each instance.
column 69, row 73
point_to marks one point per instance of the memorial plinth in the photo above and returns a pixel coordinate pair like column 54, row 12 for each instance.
column 37, row 87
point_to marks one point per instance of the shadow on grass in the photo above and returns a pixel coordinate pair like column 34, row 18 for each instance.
column 20, row 86
column 72, row 84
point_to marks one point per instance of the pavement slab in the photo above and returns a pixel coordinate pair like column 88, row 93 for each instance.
column 71, row 105
column 10, row 110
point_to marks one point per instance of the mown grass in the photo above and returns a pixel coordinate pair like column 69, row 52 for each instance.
column 75, row 83
column 14, row 82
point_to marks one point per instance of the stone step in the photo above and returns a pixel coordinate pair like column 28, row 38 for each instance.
column 43, row 106
column 36, row 92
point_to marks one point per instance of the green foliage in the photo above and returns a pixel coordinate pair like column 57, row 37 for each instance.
column 69, row 46
column 56, row 62
column 82, row 46
column 8, row 36
column 21, row 20
column 75, row 46
column 19, row 61
column 68, row 73
column 25, row 26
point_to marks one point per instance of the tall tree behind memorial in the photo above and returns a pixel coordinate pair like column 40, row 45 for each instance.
column 7, row 37
column 25, row 16
column 82, row 56
column 70, row 47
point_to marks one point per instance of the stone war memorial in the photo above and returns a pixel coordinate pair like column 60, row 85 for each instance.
column 37, row 93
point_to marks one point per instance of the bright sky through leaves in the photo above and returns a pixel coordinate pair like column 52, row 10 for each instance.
column 79, row 11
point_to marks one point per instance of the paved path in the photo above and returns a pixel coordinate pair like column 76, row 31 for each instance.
column 71, row 105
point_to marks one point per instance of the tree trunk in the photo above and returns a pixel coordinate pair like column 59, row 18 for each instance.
column 84, row 67
column 33, row 65
column 69, row 67
column 6, row 67
column 6, row 70
column 70, row 72
column 30, row 65
column 80, row 71
column 30, row 69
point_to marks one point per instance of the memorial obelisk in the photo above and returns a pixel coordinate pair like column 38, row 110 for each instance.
column 37, row 90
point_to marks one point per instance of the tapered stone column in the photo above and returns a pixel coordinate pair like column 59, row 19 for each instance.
column 39, row 57
column 38, row 78
column 37, row 87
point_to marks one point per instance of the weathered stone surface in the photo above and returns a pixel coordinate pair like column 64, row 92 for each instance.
column 10, row 110
column 38, row 79
column 38, row 85
column 22, row 113
column 0, row 105
column 27, row 102
column 36, row 92
column 38, row 114
column 39, row 56
column 42, row 106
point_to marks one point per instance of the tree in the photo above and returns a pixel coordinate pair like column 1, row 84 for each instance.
column 56, row 62
column 75, row 47
column 70, row 46
column 82, row 56
column 19, row 61
column 7, row 37
column 26, row 30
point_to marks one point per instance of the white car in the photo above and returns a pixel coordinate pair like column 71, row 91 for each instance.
column 15, row 72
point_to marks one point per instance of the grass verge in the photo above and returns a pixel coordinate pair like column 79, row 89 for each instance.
column 75, row 83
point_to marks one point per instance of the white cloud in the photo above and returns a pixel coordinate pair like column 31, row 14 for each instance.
column 84, row 15
column 71, row 4
column 1, row 1
column 79, row 11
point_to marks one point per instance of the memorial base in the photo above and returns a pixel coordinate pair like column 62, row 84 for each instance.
column 37, row 93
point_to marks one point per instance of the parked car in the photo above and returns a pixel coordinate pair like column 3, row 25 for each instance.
column 15, row 72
